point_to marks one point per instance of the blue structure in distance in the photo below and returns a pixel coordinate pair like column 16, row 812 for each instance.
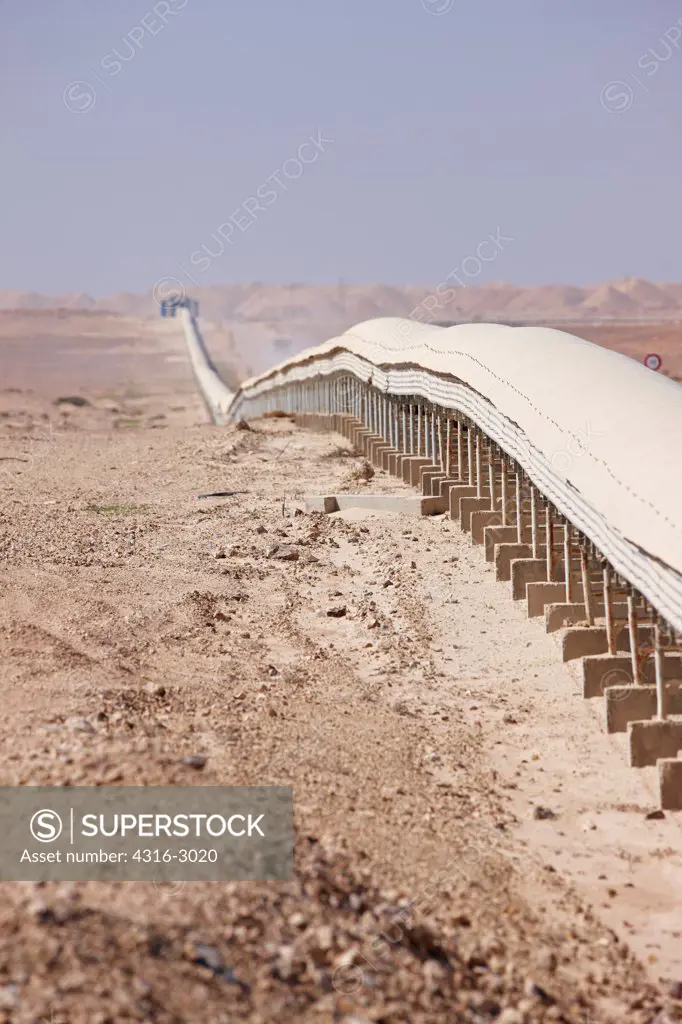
column 170, row 305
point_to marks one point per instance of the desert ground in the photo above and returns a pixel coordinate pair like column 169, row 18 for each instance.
column 447, row 773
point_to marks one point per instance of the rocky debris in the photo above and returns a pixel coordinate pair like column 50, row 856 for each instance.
column 347, row 739
column 208, row 956
column 79, row 725
column 363, row 472
column 197, row 761
column 155, row 689
column 284, row 553
column 331, row 944
column 337, row 611
column 541, row 813
column 76, row 400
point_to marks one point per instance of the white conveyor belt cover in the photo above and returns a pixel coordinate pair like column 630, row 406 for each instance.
column 611, row 428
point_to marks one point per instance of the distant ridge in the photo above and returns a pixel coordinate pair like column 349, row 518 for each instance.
column 343, row 304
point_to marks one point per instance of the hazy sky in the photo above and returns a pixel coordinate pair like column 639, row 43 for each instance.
column 438, row 123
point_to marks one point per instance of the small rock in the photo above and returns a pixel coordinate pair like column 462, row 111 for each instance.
column 675, row 990
column 194, row 761
column 654, row 816
column 284, row 553
column 547, row 961
column 242, row 425
column 219, row 553
column 285, row 962
column 155, row 689
column 73, row 981
column 535, row 991
column 76, row 400
column 510, row 1016
column 337, row 611
column 261, row 529
column 508, row 719
column 9, row 996
column 79, row 725
column 543, row 813
column 208, row 956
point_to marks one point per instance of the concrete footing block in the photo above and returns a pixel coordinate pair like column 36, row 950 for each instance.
column 367, row 440
column 457, row 492
column 605, row 670
column 578, row 643
column 386, row 455
column 482, row 521
column 601, row 671
column 427, row 474
column 493, row 535
column 350, row 425
column 376, row 450
column 469, row 505
column 625, row 704
column 358, row 437
column 361, row 440
column 410, row 468
column 540, row 594
column 595, row 642
column 560, row 615
column 444, row 487
column 435, row 483
column 525, row 571
column 651, row 740
column 321, row 503
column 505, row 554
column 670, row 781
column 406, row 504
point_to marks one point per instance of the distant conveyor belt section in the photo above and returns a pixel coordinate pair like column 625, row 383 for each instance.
column 562, row 456
column 216, row 394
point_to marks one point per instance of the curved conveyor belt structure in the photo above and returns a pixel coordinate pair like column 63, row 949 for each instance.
column 529, row 435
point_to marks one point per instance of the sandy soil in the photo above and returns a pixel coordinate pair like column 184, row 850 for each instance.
column 419, row 731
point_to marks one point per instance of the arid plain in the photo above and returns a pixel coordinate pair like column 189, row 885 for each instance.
column 421, row 729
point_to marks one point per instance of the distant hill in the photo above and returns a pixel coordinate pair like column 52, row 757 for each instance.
column 309, row 308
